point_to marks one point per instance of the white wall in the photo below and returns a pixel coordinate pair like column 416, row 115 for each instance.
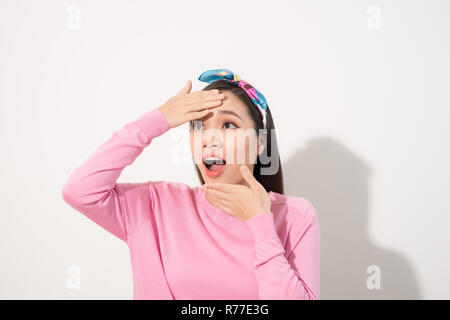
column 359, row 91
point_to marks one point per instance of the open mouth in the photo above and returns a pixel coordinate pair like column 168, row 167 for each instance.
column 214, row 166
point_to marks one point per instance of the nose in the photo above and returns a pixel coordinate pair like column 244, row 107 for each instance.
column 212, row 145
column 212, row 139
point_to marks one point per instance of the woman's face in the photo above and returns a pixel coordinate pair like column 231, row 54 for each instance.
column 227, row 133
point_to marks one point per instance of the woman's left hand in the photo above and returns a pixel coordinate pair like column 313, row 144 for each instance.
column 241, row 201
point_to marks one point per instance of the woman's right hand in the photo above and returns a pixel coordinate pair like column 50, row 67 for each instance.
column 186, row 106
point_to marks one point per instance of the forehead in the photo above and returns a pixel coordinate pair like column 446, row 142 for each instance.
column 232, row 102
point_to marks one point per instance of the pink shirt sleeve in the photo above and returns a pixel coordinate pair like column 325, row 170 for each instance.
column 287, row 278
column 92, row 189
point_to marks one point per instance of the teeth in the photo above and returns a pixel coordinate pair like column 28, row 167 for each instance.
column 210, row 160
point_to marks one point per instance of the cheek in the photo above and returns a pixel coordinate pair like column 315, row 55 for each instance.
column 251, row 149
column 241, row 149
column 196, row 148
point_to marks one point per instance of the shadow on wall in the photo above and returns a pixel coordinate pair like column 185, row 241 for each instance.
column 336, row 182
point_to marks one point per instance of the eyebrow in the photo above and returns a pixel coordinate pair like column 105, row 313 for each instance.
column 230, row 112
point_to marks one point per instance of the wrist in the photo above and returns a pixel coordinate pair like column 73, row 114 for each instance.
column 162, row 110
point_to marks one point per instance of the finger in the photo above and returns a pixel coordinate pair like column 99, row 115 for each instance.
column 249, row 177
column 199, row 114
column 187, row 88
column 224, row 208
column 206, row 104
column 199, row 105
column 221, row 204
column 218, row 194
column 200, row 102
column 224, row 187
column 208, row 94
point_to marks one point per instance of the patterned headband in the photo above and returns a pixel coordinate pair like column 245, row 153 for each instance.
column 258, row 99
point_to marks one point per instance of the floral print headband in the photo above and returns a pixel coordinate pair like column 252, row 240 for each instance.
column 258, row 99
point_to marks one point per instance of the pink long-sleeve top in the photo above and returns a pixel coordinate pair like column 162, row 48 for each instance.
column 183, row 247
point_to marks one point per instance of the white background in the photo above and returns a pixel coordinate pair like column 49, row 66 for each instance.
column 359, row 92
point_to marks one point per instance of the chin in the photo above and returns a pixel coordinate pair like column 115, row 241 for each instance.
column 213, row 173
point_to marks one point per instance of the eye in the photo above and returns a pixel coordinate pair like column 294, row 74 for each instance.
column 229, row 123
column 198, row 125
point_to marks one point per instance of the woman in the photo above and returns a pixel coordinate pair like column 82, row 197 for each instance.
column 237, row 236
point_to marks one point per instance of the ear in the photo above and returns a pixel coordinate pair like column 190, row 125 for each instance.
column 262, row 140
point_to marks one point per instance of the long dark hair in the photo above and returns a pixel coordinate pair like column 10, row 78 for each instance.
column 271, row 182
